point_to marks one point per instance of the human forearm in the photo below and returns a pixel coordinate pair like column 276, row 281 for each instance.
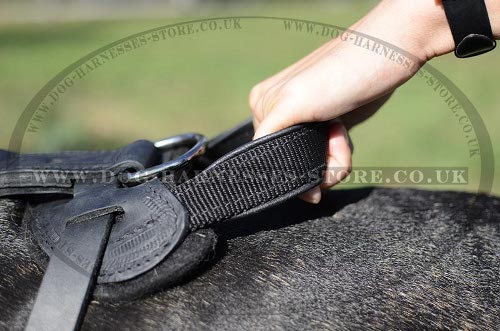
column 493, row 7
column 346, row 80
column 419, row 26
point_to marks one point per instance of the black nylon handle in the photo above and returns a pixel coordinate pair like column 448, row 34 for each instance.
column 257, row 175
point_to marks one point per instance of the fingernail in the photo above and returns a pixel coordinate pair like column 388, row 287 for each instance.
column 344, row 131
column 312, row 196
column 346, row 136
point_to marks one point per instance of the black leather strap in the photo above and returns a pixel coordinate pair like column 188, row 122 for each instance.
column 56, row 173
column 67, row 287
column 470, row 26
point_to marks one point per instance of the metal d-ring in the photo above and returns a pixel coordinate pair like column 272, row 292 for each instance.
column 199, row 143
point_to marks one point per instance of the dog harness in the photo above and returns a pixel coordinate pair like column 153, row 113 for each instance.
column 121, row 224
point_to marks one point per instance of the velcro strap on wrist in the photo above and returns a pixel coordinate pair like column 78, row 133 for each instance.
column 470, row 26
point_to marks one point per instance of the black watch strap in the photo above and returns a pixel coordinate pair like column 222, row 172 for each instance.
column 470, row 26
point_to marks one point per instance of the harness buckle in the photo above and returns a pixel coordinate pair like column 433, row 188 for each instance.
column 199, row 147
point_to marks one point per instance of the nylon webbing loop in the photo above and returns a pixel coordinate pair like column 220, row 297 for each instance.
column 256, row 175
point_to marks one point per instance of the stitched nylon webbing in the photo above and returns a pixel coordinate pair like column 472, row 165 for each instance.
column 264, row 173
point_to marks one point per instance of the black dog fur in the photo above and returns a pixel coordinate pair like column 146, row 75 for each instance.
column 371, row 259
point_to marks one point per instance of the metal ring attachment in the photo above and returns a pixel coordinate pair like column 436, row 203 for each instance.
column 199, row 143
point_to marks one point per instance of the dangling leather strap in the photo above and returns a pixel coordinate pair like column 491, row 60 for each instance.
column 66, row 288
column 470, row 26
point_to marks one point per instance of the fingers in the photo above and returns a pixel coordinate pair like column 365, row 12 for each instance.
column 339, row 162
column 339, row 156
column 266, row 95
column 312, row 196
column 275, row 81
column 281, row 102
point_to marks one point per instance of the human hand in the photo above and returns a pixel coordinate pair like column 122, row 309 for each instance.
column 346, row 82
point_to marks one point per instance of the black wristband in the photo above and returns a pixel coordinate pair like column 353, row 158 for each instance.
column 470, row 26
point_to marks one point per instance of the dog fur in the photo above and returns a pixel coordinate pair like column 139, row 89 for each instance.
column 371, row 259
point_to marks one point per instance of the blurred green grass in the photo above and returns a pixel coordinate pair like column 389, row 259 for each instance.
column 201, row 82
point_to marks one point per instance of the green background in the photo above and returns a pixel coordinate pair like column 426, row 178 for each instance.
column 201, row 82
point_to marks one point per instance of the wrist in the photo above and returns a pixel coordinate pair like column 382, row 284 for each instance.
column 493, row 7
column 439, row 39
column 419, row 27
column 435, row 37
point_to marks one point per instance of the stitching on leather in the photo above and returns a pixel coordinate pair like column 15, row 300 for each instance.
column 134, row 230
column 157, row 252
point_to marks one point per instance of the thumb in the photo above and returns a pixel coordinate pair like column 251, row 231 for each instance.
column 280, row 115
